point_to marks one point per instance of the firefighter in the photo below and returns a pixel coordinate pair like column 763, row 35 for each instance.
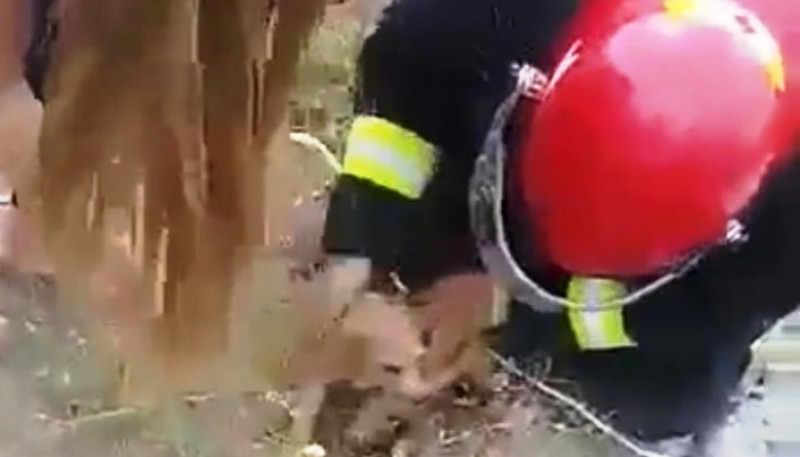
column 623, row 168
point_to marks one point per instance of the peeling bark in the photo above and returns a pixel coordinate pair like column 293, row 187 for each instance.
column 162, row 110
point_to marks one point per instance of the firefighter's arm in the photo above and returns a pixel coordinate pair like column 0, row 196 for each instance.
column 371, row 209
column 408, row 104
column 386, row 168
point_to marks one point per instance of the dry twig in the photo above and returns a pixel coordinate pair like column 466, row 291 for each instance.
column 573, row 404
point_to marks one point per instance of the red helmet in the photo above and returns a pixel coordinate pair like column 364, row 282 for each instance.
column 655, row 131
column 783, row 20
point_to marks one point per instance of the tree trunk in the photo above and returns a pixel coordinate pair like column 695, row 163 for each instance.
column 165, row 108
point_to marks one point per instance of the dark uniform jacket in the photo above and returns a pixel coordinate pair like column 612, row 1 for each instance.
column 440, row 68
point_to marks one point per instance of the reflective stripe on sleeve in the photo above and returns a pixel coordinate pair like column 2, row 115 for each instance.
column 389, row 155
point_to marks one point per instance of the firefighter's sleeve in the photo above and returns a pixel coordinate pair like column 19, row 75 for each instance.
column 385, row 171
column 411, row 111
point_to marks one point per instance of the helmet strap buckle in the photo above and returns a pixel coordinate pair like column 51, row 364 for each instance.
column 531, row 81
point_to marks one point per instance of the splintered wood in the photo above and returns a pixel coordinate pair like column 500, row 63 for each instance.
column 158, row 119
column 12, row 20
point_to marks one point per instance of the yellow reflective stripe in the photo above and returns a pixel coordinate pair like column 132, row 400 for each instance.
column 679, row 9
column 389, row 155
column 597, row 329
column 776, row 74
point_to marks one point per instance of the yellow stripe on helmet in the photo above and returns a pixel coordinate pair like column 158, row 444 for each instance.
column 680, row 9
column 755, row 37
column 776, row 74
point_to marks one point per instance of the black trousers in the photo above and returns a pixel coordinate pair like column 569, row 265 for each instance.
column 651, row 392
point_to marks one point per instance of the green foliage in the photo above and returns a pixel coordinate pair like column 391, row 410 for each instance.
column 325, row 81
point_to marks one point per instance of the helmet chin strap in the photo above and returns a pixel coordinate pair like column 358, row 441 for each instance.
column 486, row 214
column 531, row 82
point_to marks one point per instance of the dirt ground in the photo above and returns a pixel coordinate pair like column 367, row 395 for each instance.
column 58, row 390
